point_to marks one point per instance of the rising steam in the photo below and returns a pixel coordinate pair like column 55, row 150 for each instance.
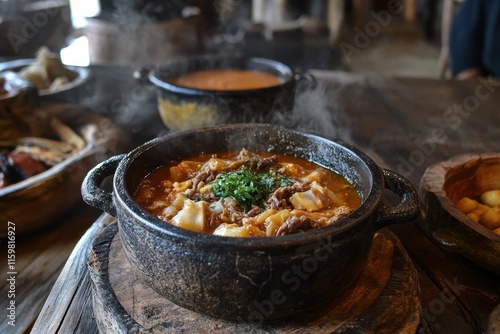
column 316, row 111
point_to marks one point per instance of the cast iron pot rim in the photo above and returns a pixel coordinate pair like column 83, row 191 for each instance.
column 123, row 198
column 169, row 87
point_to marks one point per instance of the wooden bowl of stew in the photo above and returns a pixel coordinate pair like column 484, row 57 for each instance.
column 256, row 279
column 461, row 206
column 208, row 90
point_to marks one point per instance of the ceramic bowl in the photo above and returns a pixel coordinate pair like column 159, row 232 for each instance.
column 72, row 92
column 442, row 185
column 184, row 108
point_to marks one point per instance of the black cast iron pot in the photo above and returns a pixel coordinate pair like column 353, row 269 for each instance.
column 184, row 108
column 258, row 280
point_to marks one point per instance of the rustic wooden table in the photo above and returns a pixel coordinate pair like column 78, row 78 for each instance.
column 403, row 124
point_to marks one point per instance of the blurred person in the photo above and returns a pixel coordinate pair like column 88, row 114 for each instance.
column 475, row 39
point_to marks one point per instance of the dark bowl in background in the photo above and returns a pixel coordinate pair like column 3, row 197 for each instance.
column 232, row 278
column 184, row 108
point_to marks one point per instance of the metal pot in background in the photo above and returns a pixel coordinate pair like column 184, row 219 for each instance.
column 184, row 108
column 123, row 43
column 143, row 32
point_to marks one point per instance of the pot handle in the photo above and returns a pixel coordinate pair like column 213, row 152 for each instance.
column 306, row 78
column 141, row 74
column 408, row 208
column 92, row 192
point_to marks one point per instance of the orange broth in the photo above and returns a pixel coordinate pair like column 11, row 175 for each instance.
column 222, row 79
column 159, row 186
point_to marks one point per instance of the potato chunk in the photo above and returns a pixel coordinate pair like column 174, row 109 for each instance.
column 191, row 217
column 235, row 230
column 274, row 222
column 314, row 199
column 490, row 218
column 491, row 198
column 467, row 205
column 174, row 207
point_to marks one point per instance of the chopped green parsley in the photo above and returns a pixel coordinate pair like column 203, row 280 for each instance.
column 247, row 187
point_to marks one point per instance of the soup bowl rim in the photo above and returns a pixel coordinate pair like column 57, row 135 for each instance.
column 155, row 77
column 124, row 198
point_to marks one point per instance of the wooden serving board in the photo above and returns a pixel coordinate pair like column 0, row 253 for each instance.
column 385, row 299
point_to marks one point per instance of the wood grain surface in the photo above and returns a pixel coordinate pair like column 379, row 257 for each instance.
column 40, row 258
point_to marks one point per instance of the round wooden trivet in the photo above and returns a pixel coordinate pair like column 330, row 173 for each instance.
column 384, row 300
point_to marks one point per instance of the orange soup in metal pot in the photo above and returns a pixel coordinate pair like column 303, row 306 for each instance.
column 226, row 79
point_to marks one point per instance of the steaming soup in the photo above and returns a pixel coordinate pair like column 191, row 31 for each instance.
column 223, row 79
column 247, row 194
